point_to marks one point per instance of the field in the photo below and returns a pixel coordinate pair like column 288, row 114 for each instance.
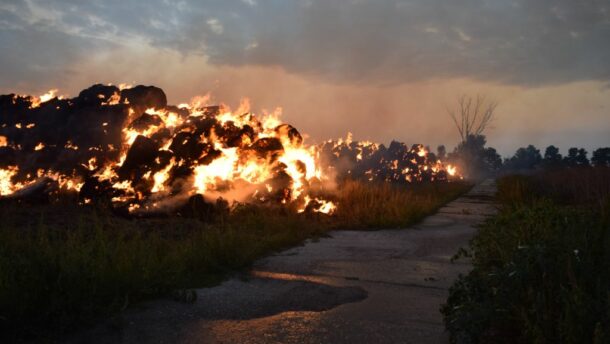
column 64, row 266
column 541, row 266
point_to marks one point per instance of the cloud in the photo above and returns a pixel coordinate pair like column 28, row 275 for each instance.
column 215, row 26
column 519, row 42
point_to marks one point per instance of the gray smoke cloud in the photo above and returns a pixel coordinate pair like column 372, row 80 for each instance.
column 381, row 69
column 385, row 42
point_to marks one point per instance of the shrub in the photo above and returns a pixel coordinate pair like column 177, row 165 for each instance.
column 541, row 266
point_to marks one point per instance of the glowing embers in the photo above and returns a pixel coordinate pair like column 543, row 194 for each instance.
column 36, row 101
column 7, row 186
column 374, row 162
column 129, row 148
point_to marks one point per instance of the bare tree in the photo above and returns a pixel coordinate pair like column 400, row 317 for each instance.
column 473, row 115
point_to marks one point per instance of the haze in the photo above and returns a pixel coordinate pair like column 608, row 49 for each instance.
column 380, row 69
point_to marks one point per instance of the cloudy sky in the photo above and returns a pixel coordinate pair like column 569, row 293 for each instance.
column 382, row 69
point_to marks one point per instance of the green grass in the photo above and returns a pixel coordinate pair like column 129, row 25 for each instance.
column 64, row 266
column 541, row 266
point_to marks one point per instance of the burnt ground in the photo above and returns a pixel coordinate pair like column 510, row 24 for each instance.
column 353, row 287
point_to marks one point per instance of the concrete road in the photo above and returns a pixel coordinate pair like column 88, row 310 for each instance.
column 354, row 287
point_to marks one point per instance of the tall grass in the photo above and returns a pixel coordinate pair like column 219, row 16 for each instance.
column 63, row 266
column 386, row 205
column 56, row 276
column 582, row 186
column 541, row 267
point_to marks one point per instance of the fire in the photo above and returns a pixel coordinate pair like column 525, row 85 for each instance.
column 161, row 177
column 130, row 148
column 91, row 164
column 44, row 98
column 6, row 185
column 113, row 100
column 239, row 149
column 452, row 170
column 323, row 206
column 326, row 207
column 70, row 145
column 239, row 164
column 422, row 151
column 221, row 169
column 375, row 162
column 124, row 85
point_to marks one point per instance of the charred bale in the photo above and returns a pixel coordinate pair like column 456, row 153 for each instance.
column 145, row 121
column 211, row 111
column 281, row 184
column 96, row 95
column 161, row 136
column 268, row 147
column 144, row 97
column 187, row 146
column 140, row 158
column 286, row 130
column 209, row 154
column 240, row 137
column 203, row 125
column 8, row 157
column 38, row 192
column 197, row 207
column 96, row 190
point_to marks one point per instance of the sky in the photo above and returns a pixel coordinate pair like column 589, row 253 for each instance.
column 381, row 69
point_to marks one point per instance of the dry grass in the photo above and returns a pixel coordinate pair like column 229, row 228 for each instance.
column 385, row 205
column 62, row 266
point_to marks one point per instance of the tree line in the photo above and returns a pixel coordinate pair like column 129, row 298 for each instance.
column 473, row 116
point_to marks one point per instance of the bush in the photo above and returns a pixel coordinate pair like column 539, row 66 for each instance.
column 541, row 266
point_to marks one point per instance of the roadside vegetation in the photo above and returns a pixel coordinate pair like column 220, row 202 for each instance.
column 541, row 266
column 63, row 266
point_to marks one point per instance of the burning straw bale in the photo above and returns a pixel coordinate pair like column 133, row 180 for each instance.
column 374, row 162
column 130, row 148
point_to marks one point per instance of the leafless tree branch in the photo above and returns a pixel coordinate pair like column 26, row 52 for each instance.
column 473, row 115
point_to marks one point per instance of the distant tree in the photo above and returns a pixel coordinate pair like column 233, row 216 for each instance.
column 492, row 159
column 472, row 116
column 576, row 157
column 441, row 152
column 552, row 158
column 551, row 154
column 474, row 159
column 570, row 159
column 581, row 158
column 601, row 157
column 525, row 158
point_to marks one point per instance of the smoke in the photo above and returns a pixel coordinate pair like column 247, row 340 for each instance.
column 128, row 147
